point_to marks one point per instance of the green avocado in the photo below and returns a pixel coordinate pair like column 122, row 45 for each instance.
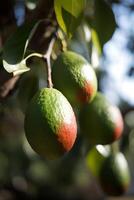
column 114, row 176
column 50, row 124
column 110, row 168
column 100, row 122
column 74, row 77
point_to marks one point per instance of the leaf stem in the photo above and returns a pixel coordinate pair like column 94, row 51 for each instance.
column 34, row 54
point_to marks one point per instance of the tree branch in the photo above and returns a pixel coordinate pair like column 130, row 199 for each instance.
column 7, row 84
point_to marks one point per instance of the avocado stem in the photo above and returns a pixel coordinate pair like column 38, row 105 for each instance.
column 47, row 58
column 115, row 147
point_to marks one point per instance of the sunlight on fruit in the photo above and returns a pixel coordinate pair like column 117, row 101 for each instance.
column 104, row 150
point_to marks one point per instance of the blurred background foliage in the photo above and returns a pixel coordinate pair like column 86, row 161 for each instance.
column 106, row 38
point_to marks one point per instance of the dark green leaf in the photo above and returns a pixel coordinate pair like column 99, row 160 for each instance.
column 26, row 91
column 14, row 60
column 102, row 23
column 69, row 14
column 15, row 46
column 71, row 22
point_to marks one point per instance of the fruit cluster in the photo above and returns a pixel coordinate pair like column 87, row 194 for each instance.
column 51, row 125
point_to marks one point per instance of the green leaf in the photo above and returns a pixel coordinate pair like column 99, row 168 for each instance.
column 15, row 49
column 69, row 14
column 16, row 69
column 71, row 22
column 72, row 7
column 15, row 46
column 102, row 23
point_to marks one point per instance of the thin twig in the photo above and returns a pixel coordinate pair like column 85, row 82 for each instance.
column 47, row 58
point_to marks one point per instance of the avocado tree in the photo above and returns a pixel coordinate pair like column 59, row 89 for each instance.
column 53, row 115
